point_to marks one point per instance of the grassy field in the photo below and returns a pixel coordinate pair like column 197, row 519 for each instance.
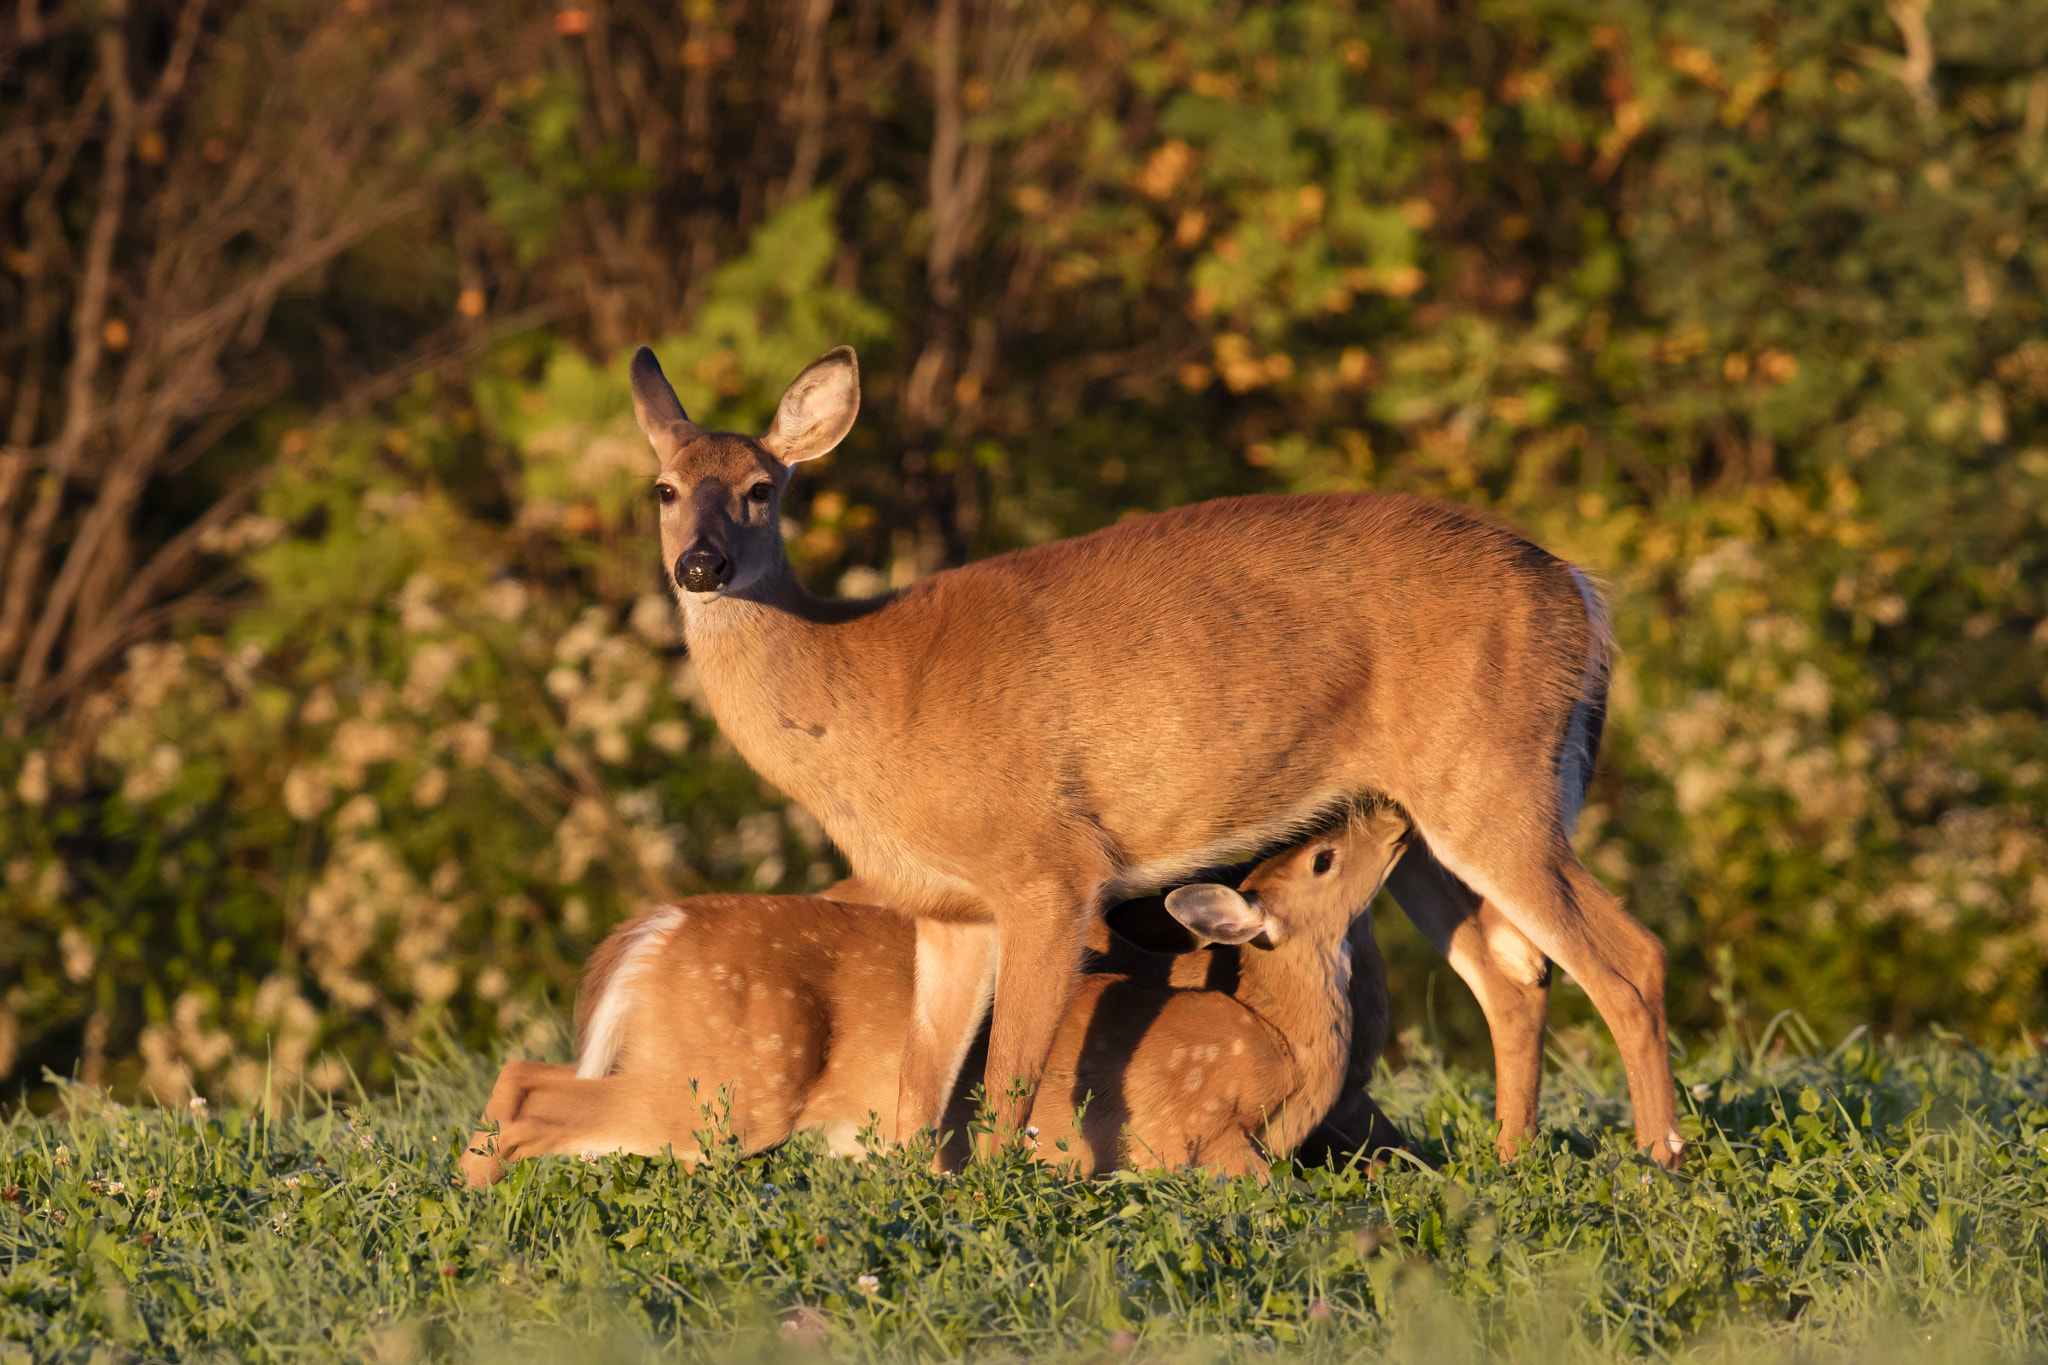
column 1873, row 1201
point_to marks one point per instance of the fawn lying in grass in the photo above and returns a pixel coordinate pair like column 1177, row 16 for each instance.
column 794, row 1009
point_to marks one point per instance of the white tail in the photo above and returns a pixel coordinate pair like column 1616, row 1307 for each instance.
column 599, row 1037
column 1013, row 742
column 793, row 1008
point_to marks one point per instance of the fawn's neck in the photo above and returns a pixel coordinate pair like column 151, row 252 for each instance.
column 1301, row 990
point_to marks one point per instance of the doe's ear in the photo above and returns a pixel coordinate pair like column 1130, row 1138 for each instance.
column 1218, row 914
column 655, row 405
column 818, row 410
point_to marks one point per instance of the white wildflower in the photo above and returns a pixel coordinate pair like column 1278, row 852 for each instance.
column 672, row 737
column 359, row 814
column 505, row 599
column 320, row 707
column 416, row 612
column 1807, row 694
column 430, row 789
column 565, row 683
column 581, row 639
column 470, row 741
column 153, row 778
column 654, row 619
column 360, row 741
column 33, row 786
column 78, row 954
column 580, row 839
column 433, row 664
column 52, row 881
column 435, row 981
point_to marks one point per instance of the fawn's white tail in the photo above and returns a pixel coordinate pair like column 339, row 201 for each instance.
column 610, row 986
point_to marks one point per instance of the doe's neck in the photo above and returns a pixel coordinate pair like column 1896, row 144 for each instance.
column 775, row 616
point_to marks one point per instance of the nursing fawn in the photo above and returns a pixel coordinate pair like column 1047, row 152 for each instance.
column 764, row 1016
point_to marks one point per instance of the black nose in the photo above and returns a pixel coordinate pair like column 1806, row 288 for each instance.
column 703, row 571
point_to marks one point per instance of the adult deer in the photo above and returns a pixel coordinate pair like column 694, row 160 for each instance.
column 794, row 1009
column 1001, row 746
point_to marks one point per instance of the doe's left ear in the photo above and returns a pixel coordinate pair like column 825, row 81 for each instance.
column 818, row 410
column 655, row 405
column 1218, row 914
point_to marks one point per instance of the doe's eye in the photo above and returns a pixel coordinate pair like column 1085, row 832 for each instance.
column 761, row 491
column 1325, row 861
column 666, row 492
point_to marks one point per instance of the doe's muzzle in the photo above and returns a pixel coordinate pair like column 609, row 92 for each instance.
column 703, row 571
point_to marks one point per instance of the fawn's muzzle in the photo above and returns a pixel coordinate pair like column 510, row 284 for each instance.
column 703, row 571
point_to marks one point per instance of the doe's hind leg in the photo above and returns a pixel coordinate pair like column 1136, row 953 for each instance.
column 1572, row 919
column 1507, row 974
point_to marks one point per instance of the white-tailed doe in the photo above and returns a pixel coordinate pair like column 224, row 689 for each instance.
column 1001, row 748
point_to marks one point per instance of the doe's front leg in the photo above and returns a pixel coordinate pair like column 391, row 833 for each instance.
column 1038, row 961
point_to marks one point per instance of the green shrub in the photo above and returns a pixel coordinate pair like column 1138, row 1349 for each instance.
column 1739, row 306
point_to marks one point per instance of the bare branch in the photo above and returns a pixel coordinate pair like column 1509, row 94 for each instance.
column 806, row 106
column 38, row 312
column 1916, row 72
column 26, row 566
column 172, row 80
column 133, row 616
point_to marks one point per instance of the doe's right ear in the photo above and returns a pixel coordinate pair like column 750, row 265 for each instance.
column 818, row 409
column 655, row 405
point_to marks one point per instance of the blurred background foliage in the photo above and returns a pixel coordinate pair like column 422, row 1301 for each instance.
column 342, row 701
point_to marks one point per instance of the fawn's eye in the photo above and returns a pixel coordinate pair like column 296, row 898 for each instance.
column 666, row 492
column 761, row 491
column 1325, row 861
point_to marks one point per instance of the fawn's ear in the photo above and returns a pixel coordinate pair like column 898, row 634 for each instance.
column 655, row 405
column 1217, row 914
column 818, row 410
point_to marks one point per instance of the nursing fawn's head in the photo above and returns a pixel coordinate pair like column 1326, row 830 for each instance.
column 1310, row 893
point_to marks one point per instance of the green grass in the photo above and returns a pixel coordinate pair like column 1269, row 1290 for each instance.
column 1877, row 1202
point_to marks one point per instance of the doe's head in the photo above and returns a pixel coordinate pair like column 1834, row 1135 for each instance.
column 720, row 492
column 1312, row 892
